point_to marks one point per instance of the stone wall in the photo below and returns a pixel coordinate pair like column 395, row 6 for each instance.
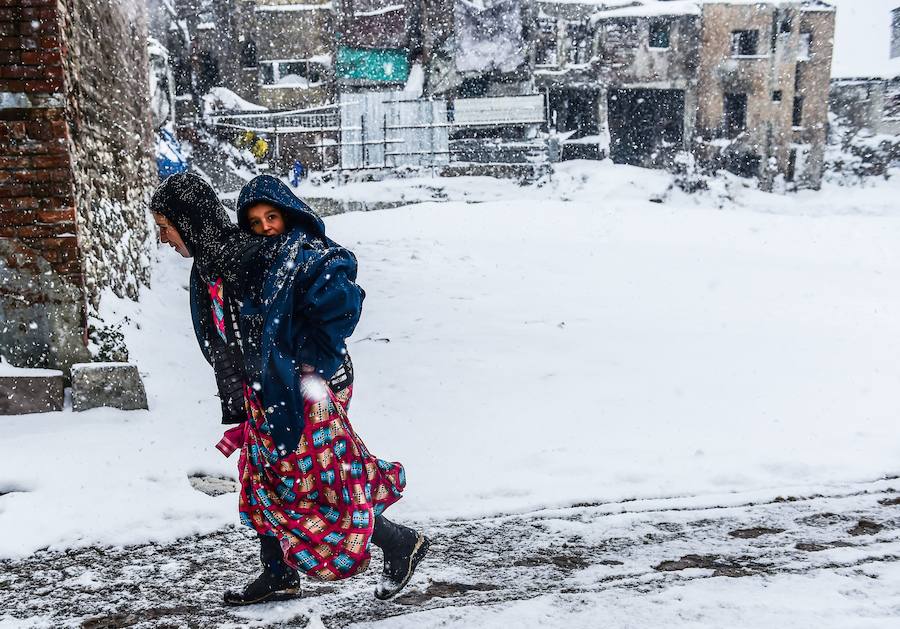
column 107, row 79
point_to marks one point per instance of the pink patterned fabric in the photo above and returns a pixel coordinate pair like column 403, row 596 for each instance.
column 319, row 501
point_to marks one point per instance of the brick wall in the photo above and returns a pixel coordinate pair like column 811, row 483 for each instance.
column 37, row 193
column 75, row 169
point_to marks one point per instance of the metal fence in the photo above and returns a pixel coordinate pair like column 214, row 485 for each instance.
column 385, row 130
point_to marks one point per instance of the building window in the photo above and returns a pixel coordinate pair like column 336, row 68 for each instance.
column 797, row 115
column 579, row 38
column 545, row 49
column 776, row 96
column 744, row 43
column 805, row 47
column 248, row 54
column 659, row 33
column 735, row 118
column 296, row 73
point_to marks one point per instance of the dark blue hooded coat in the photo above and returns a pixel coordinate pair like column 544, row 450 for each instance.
column 299, row 306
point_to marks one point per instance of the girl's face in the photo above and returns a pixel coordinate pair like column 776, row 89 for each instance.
column 266, row 220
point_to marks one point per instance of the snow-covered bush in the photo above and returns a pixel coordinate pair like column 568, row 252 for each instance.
column 688, row 176
column 853, row 157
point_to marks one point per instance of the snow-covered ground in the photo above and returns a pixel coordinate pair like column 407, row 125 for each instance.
column 548, row 346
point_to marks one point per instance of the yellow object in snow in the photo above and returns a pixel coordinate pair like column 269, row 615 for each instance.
column 259, row 148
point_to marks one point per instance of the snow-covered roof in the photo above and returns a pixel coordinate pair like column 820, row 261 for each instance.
column 862, row 40
column 649, row 8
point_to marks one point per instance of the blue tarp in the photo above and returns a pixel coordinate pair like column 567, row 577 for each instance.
column 169, row 158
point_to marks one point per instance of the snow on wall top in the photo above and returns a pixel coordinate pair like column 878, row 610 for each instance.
column 862, row 40
column 273, row 8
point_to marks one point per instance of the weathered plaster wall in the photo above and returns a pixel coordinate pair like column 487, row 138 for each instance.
column 812, row 86
column 769, row 131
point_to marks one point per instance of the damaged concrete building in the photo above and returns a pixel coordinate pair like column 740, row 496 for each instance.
column 741, row 85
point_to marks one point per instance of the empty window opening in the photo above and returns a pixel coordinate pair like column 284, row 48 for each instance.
column 659, row 33
column 805, row 47
column 296, row 73
column 792, row 165
column 545, row 48
column 735, row 115
column 776, row 96
column 797, row 115
column 744, row 43
column 579, row 44
column 248, row 54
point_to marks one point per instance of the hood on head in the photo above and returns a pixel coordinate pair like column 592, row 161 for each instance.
column 269, row 189
column 193, row 207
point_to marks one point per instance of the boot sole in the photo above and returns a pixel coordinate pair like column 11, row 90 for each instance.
column 418, row 553
column 280, row 595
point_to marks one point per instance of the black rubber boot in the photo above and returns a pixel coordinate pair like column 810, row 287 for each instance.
column 403, row 549
column 278, row 581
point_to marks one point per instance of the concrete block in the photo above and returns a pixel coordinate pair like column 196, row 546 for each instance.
column 31, row 394
column 117, row 385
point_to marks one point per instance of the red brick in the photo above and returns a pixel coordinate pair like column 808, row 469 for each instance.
column 10, row 14
column 19, row 203
column 43, row 87
column 43, row 57
column 33, row 113
column 9, row 190
column 30, row 72
column 10, row 56
column 43, row 231
column 39, row 14
column 15, row 218
column 9, row 29
column 10, row 43
column 66, row 215
column 14, row 85
column 57, row 174
column 51, row 161
column 56, row 203
column 53, row 147
column 11, row 163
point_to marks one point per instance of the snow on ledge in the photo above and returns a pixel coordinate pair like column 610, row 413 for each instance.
column 9, row 371
column 278, row 8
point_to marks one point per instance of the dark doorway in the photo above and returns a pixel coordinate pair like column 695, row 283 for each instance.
column 735, row 114
column 573, row 113
column 646, row 126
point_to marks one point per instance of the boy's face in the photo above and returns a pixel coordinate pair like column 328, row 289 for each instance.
column 266, row 220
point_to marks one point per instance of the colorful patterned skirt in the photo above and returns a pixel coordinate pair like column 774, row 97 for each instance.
column 320, row 500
